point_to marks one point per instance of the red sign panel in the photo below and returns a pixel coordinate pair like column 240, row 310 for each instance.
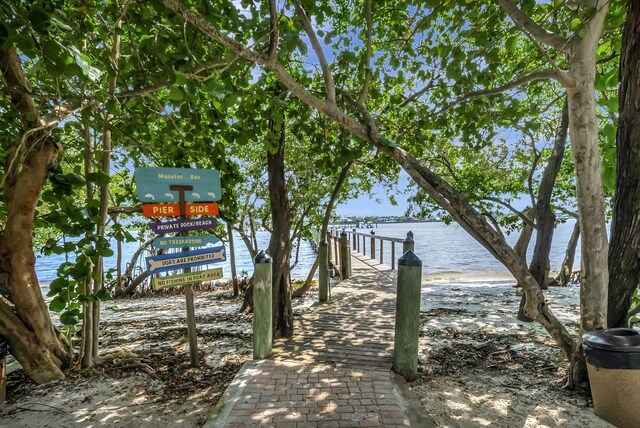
column 173, row 210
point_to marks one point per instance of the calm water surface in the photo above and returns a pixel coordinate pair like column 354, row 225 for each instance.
column 444, row 250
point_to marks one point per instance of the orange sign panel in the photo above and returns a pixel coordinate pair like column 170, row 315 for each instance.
column 173, row 210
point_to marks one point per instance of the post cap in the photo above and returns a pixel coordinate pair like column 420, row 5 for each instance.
column 410, row 234
column 373, row 233
column 262, row 257
column 323, row 242
column 409, row 259
column 408, row 240
column 343, row 233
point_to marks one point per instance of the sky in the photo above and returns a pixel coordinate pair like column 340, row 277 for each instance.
column 378, row 204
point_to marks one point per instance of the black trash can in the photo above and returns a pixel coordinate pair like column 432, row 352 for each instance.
column 613, row 363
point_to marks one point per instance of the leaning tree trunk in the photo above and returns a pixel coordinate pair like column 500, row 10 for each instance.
column 24, row 316
column 545, row 218
column 624, row 266
column 325, row 225
column 566, row 269
column 280, row 242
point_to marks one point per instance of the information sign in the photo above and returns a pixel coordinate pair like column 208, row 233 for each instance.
column 153, row 184
column 186, row 278
column 185, row 259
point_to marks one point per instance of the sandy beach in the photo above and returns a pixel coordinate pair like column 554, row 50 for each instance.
column 479, row 366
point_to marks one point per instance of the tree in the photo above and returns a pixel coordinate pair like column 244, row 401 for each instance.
column 24, row 316
column 624, row 266
column 580, row 50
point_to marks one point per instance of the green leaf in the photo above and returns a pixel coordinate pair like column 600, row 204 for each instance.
column 103, row 294
column 68, row 318
column 57, row 304
column 176, row 94
column 575, row 23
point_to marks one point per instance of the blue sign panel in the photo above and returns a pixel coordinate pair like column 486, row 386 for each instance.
column 184, row 241
column 185, row 259
column 153, row 184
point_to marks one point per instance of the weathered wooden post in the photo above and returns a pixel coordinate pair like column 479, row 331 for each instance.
column 345, row 256
column 323, row 266
column 408, row 243
column 405, row 342
column 262, row 297
column 373, row 245
column 329, row 251
column 353, row 238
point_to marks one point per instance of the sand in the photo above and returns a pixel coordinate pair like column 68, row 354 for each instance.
column 479, row 366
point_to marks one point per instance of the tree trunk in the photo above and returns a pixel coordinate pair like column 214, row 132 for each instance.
column 85, row 356
column 594, row 275
column 280, row 242
column 106, row 169
column 566, row 269
column 325, row 225
column 24, row 316
column 624, row 266
column 545, row 218
column 522, row 244
column 520, row 248
column 232, row 257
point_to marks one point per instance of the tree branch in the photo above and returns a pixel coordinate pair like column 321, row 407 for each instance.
column 205, row 66
column 274, row 34
column 529, row 26
column 330, row 87
column 367, row 74
column 511, row 208
column 522, row 80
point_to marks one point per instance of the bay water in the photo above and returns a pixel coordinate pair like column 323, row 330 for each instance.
column 445, row 251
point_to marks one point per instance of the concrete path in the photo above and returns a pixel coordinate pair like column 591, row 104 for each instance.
column 334, row 371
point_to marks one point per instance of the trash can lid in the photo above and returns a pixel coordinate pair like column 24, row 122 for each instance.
column 614, row 339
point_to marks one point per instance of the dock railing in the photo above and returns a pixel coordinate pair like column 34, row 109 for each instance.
column 376, row 246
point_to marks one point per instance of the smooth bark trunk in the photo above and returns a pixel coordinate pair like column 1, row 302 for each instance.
column 594, row 274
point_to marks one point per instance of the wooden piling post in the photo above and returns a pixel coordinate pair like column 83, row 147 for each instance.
column 405, row 342
column 408, row 243
column 323, row 266
column 373, row 245
column 262, row 298
column 353, row 238
column 345, row 256
column 329, row 250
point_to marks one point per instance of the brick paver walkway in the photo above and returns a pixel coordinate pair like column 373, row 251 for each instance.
column 333, row 372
